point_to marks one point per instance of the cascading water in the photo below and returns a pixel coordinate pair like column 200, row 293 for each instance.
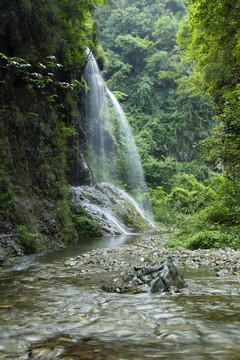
column 112, row 155
column 102, row 154
column 95, row 106
column 134, row 172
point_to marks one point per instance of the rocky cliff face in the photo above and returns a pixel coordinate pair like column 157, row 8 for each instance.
column 34, row 211
column 42, row 121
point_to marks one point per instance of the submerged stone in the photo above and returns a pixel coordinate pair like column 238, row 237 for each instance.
column 155, row 277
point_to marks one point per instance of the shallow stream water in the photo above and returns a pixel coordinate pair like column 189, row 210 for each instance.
column 50, row 311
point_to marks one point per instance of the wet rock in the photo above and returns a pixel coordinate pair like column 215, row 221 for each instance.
column 71, row 262
column 115, row 211
column 157, row 277
column 86, row 255
column 222, row 272
column 9, row 244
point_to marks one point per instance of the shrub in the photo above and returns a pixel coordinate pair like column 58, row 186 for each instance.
column 28, row 239
column 188, row 195
column 87, row 227
column 181, row 199
column 213, row 239
column 161, row 207
column 159, row 173
column 198, row 233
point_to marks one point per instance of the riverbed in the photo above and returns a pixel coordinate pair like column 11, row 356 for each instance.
column 52, row 305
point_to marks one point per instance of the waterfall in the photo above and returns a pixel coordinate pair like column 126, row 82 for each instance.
column 112, row 154
column 95, row 105
column 134, row 173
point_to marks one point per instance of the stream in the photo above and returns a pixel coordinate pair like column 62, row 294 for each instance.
column 52, row 311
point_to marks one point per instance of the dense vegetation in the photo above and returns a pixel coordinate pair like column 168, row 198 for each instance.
column 175, row 69
column 42, row 56
column 209, row 40
column 139, row 40
column 167, row 90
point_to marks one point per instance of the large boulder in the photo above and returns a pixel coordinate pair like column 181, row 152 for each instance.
column 115, row 211
column 158, row 277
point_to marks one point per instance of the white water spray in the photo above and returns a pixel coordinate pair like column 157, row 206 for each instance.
column 114, row 153
column 134, row 170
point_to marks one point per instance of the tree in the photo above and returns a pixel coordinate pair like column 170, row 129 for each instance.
column 209, row 38
column 139, row 39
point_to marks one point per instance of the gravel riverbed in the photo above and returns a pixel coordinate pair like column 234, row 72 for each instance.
column 222, row 262
column 55, row 306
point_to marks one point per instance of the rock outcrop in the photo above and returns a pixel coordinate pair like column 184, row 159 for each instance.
column 156, row 277
column 111, row 207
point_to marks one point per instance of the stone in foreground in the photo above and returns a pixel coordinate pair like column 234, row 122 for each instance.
column 155, row 277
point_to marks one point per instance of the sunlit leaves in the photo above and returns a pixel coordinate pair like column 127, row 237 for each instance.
column 15, row 62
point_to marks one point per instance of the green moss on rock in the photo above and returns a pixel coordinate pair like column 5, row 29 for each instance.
column 87, row 227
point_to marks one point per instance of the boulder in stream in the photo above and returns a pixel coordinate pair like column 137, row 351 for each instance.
column 157, row 277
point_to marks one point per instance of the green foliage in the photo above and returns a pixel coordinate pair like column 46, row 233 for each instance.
column 86, row 227
column 209, row 35
column 201, row 172
column 209, row 39
column 218, row 215
column 213, row 239
column 42, row 55
column 159, row 173
column 163, row 213
column 28, row 239
column 164, row 32
column 209, row 42
column 139, row 40
column 179, row 194
column 222, row 150
column 39, row 76
column 206, row 239
column 63, row 210
column 189, row 195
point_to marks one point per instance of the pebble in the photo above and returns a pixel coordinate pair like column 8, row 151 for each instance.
column 222, row 262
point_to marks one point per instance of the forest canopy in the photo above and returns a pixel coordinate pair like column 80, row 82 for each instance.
column 139, row 38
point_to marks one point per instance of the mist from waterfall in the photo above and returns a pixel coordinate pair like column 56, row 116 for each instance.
column 113, row 153
column 133, row 165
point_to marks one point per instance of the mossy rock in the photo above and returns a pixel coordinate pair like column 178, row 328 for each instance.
column 87, row 227
column 131, row 218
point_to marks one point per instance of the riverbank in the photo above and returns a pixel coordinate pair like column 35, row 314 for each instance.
column 222, row 262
